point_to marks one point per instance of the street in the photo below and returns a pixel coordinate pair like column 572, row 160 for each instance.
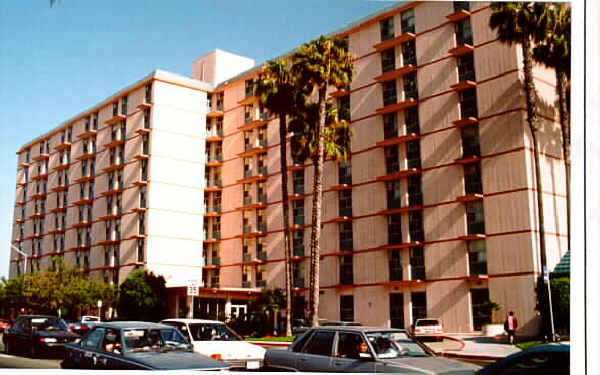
column 13, row 361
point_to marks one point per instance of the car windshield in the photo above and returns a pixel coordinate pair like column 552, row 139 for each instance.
column 153, row 340
column 212, row 332
column 427, row 322
column 394, row 344
column 48, row 324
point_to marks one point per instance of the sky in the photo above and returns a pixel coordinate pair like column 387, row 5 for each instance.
column 58, row 61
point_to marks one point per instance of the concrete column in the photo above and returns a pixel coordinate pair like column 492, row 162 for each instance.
column 190, row 303
column 228, row 308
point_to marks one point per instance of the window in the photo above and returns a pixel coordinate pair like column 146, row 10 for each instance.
column 141, row 224
column 141, row 257
column 386, row 28
column 389, row 93
column 415, row 195
column 482, row 312
column 413, row 154
column 144, row 171
column 395, row 265
column 470, row 141
column 343, row 105
column 95, row 121
column 419, row 305
column 145, row 144
column 410, row 86
column 115, row 108
column 92, row 340
column 409, row 53
column 124, row 105
column 346, row 243
column 477, row 257
column 148, row 91
column 298, row 181
column 394, row 229
column 392, row 163
column 390, row 125
column 466, row 68
column 347, row 308
column 249, row 85
column 320, row 343
column 475, row 217
column 394, row 194
column 146, row 119
column 415, row 226
column 298, row 243
column 298, row 211
column 472, row 174
column 407, row 21
column 345, row 203
column 463, row 32
column 346, row 270
column 417, row 263
column 388, row 60
column 345, row 173
column 461, row 5
column 397, row 310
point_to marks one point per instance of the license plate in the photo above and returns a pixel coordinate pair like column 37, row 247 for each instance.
column 252, row 365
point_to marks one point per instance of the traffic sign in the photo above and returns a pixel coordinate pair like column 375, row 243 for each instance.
column 546, row 275
column 192, row 287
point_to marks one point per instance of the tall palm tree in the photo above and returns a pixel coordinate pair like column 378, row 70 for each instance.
column 554, row 51
column 276, row 87
column 517, row 23
column 318, row 64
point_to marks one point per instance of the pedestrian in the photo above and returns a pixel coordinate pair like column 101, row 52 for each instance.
column 510, row 326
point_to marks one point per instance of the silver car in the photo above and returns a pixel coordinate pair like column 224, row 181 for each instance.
column 361, row 349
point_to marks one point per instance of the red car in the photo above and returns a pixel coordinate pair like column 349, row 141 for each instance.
column 5, row 324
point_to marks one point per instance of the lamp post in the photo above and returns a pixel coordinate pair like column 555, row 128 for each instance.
column 22, row 253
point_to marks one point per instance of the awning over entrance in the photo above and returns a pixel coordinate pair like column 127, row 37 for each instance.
column 563, row 268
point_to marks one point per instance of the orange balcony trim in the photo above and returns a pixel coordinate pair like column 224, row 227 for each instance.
column 258, row 177
column 88, row 134
column 41, row 157
column 113, row 167
column 81, row 202
column 115, row 119
column 58, row 209
column 139, row 209
column 144, row 105
column 400, row 210
column 477, row 278
column 472, row 237
column 141, row 183
column 340, row 219
column 82, row 224
column 397, row 106
column 62, row 146
column 298, row 196
column 393, row 74
column 465, row 121
column 211, row 240
column 211, row 267
column 213, row 114
column 38, row 195
column 214, row 163
column 142, row 131
column 339, row 93
column 457, row 16
column 249, row 99
column 24, row 164
column 21, row 203
column 253, row 151
column 398, row 175
column 463, row 85
column 21, row 184
column 42, row 176
column 112, row 191
column 339, row 253
column 60, row 188
column 343, row 286
column 141, row 156
column 398, row 140
column 405, row 37
column 61, row 167
column 401, row 283
column 461, row 50
column 213, row 188
column 89, row 155
column 215, row 138
column 58, row 230
column 109, row 217
column 85, row 179
column 470, row 197
column 253, row 124
column 108, row 242
column 212, row 214
column 297, row 167
column 114, row 143
column 403, row 245
column 468, row 160
column 341, row 187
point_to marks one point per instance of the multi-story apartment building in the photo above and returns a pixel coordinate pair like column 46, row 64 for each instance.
column 434, row 214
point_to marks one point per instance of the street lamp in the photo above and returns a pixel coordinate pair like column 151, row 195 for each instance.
column 22, row 253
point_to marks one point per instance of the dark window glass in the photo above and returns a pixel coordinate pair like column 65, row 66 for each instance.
column 392, row 163
column 93, row 339
column 407, row 21
column 347, row 308
column 345, row 173
column 348, row 344
column 320, row 343
column 466, row 68
column 394, row 229
column 410, row 86
column 388, row 60
column 345, row 203
column 472, row 174
column 298, row 239
column 394, row 194
column 463, row 32
column 346, row 243
column 415, row 226
column 389, row 93
column 417, row 263
column 477, row 257
column 413, row 154
column 395, row 266
column 409, row 53
column 470, row 141
column 482, row 312
column 302, row 341
column 461, row 5
column 346, row 270
column 390, row 125
column 397, row 310
column 419, row 305
column 387, row 28
column 344, row 108
column 475, row 217
column 415, row 195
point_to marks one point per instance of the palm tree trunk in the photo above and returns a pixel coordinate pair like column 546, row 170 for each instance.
column 561, row 87
column 287, row 238
column 315, row 236
column 533, row 122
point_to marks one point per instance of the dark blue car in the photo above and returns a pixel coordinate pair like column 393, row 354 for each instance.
column 136, row 345
column 541, row 359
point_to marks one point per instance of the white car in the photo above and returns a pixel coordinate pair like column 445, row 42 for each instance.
column 214, row 339
column 429, row 327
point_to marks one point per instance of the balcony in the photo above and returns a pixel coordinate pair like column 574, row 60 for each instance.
column 213, row 211
column 464, row 45
column 116, row 118
column 476, row 228
column 346, row 277
column 261, row 256
column 215, row 261
column 298, row 251
column 460, row 11
column 216, row 185
column 395, row 107
column 213, row 237
column 297, row 165
column 215, row 161
column 477, row 268
column 399, row 175
column 215, row 136
column 251, row 123
column 405, row 37
column 417, row 272
column 257, row 147
column 395, row 74
column 395, row 273
column 41, row 156
column 398, row 139
column 249, row 177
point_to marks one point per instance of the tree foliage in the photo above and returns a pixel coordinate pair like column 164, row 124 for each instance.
column 142, row 296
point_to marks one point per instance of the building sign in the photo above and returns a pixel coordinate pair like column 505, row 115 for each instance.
column 192, row 287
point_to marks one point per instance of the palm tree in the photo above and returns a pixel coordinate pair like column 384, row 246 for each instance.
column 276, row 87
column 517, row 23
column 318, row 64
column 554, row 51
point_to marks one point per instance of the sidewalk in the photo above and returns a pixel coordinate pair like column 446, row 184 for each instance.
column 473, row 346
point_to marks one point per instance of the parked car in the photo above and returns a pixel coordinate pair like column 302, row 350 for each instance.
column 301, row 326
column 38, row 335
column 541, row 359
column 215, row 339
column 136, row 345
column 81, row 327
column 339, row 323
column 5, row 324
column 429, row 328
column 361, row 349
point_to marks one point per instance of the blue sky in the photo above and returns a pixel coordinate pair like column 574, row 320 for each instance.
column 56, row 62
